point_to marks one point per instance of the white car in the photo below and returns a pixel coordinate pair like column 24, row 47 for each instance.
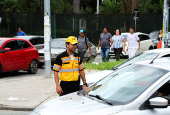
column 142, row 88
column 36, row 41
column 145, row 44
column 151, row 54
column 58, row 46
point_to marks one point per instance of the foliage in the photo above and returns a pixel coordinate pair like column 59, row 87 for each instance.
column 12, row 6
column 57, row 6
column 110, row 7
column 103, row 65
column 151, row 6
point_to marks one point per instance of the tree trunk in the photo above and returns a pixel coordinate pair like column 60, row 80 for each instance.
column 76, row 6
column 123, row 6
column 128, row 6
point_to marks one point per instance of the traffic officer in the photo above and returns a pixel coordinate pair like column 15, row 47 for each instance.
column 70, row 67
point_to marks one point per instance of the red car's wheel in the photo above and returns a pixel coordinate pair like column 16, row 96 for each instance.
column 33, row 68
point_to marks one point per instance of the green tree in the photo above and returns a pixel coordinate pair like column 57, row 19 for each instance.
column 12, row 6
column 110, row 7
column 128, row 6
column 151, row 6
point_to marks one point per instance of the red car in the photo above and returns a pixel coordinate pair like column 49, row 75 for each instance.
column 18, row 54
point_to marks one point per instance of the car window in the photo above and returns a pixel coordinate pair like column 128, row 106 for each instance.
column 58, row 44
column 126, row 84
column 153, row 35
column 167, row 55
column 90, row 44
column 164, row 91
column 22, row 44
column 145, row 37
column 40, row 40
column 11, row 44
column 141, row 37
column 1, row 42
column 34, row 41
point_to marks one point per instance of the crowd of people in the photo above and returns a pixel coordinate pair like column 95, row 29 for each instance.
column 118, row 41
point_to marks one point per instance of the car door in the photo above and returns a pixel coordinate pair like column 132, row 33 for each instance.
column 34, row 41
column 24, row 51
column 145, row 43
column 40, row 44
column 10, row 58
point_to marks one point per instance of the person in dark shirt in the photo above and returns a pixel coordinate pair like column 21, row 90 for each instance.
column 105, row 40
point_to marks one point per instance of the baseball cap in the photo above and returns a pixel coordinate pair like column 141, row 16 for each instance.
column 72, row 40
column 81, row 31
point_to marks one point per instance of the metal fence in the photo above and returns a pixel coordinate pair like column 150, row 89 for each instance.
column 64, row 25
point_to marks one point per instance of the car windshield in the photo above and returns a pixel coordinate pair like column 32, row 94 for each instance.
column 126, row 84
column 58, row 44
column 138, row 57
column 153, row 35
column 1, row 41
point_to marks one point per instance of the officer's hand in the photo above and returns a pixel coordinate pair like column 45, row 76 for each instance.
column 59, row 90
column 127, row 49
column 84, row 86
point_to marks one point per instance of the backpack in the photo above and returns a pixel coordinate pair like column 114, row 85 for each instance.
column 85, row 41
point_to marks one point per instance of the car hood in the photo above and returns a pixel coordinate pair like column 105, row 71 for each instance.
column 73, row 104
column 96, row 76
column 53, row 51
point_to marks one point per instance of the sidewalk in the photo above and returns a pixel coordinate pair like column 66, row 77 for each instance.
column 26, row 93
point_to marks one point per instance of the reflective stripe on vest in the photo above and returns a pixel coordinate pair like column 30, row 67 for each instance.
column 81, row 66
column 69, row 70
column 56, row 67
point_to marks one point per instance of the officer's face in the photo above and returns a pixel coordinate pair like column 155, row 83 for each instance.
column 72, row 47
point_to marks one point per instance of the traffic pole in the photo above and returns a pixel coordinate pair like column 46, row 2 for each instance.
column 165, row 22
column 47, row 38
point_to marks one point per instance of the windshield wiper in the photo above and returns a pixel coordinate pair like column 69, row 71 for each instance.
column 100, row 98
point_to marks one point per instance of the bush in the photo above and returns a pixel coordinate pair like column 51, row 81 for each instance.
column 103, row 65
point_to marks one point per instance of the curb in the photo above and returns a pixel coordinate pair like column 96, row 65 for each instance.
column 17, row 108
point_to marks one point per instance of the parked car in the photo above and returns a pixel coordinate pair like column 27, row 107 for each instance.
column 132, row 90
column 154, row 37
column 145, row 44
column 151, row 54
column 58, row 46
column 18, row 54
column 37, row 41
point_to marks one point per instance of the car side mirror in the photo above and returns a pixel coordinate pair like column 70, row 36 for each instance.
column 158, row 102
column 7, row 49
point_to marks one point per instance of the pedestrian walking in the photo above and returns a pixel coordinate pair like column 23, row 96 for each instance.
column 159, row 39
column 133, row 43
column 118, row 44
column 20, row 33
column 105, row 40
column 70, row 66
column 83, row 44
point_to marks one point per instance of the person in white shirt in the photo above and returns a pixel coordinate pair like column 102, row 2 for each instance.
column 133, row 43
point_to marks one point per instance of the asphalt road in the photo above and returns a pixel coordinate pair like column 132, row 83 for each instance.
column 8, row 112
column 24, row 74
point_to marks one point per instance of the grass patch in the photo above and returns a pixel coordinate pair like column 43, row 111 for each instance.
column 103, row 65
